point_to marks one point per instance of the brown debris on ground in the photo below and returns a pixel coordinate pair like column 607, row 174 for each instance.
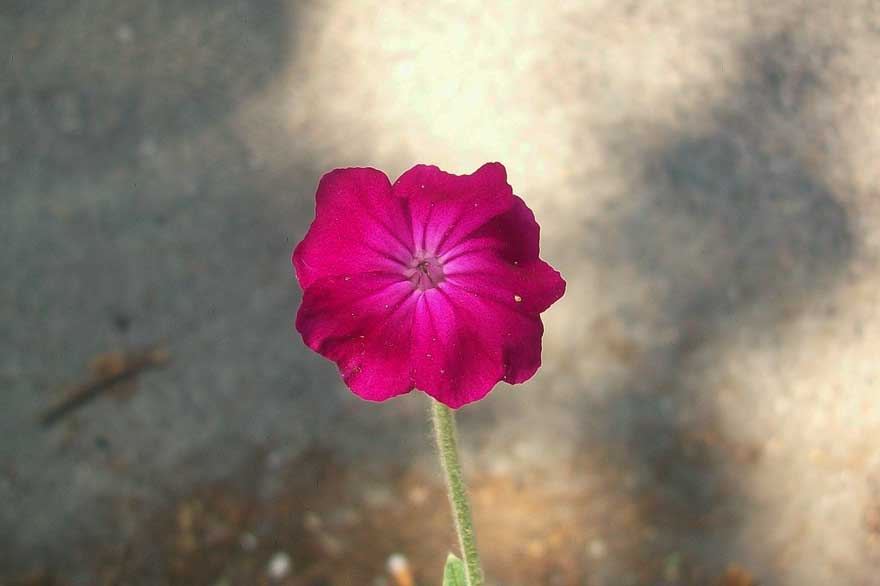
column 736, row 576
column 109, row 371
column 331, row 524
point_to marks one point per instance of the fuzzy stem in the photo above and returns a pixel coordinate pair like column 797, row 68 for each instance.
column 447, row 446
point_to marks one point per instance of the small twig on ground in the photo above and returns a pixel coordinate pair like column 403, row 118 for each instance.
column 117, row 367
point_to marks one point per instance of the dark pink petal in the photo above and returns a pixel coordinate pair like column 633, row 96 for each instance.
column 453, row 359
column 359, row 226
column 480, row 327
column 517, row 334
column 434, row 283
column 526, row 288
column 446, row 208
column 513, row 236
column 507, row 301
column 364, row 324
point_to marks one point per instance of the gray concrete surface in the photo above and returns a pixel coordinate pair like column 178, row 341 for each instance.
column 705, row 174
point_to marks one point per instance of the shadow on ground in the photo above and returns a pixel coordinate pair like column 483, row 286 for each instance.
column 91, row 81
column 156, row 224
column 140, row 219
column 735, row 230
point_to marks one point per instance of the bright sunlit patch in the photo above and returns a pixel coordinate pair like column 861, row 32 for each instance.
column 389, row 83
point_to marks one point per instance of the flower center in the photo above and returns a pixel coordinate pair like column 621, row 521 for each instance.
column 425, row 272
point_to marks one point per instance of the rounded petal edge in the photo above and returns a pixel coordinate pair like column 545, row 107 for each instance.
column 358, row 227
column 363, row 324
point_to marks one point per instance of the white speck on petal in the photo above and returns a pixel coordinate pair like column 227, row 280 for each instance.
column 517, row 298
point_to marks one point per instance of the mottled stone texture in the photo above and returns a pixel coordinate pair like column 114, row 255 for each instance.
column 705, row 176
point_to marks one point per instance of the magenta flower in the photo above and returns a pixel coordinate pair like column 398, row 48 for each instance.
column 432, row 283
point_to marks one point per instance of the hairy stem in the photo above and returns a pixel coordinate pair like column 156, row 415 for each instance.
column 447, row 446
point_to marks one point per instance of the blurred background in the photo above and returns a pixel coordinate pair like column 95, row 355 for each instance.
column 706, row 178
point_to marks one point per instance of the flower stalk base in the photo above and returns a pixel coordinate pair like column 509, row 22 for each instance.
column 447, row 445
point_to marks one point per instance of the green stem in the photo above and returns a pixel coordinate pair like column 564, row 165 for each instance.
column 447, row 445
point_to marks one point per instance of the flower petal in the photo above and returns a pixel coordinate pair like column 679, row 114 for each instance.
column 359, row 226
column 364, row 324
column 453, row 360
column 475, row 322
column 525, row 288
column 506, row 301
column 446, row 208
column 513, row 235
